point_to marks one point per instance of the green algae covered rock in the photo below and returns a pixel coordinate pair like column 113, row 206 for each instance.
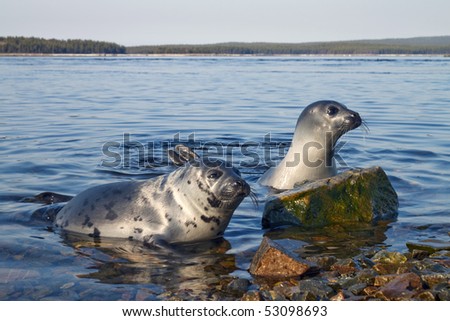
column 358, row 195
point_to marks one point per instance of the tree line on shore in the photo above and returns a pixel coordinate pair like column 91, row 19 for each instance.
column 31, row 45
column 411, row 46
column 326, row 48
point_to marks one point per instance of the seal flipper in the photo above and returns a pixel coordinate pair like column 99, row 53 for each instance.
column 47, row 198
column 47, row 213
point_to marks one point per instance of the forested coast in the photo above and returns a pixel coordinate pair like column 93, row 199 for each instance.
column 32, row 45
column 412, row 46
column 408, row 46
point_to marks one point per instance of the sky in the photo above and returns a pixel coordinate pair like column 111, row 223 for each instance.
column 147, row 22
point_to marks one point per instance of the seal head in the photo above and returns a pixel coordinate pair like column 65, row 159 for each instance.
column 310, row 157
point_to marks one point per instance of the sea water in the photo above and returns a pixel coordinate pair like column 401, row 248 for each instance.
column 69, row 123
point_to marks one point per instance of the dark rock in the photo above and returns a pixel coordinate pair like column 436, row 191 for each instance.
column 385, row 268
column 238, row 285
column 252, row 295
column 343, row 283
column 424, row 296
column 401, row 287
column 304, row 296
column 357, row 289
column 440, row 254
column 272, row 260
column 364, row 262
column 432, row 266
column 359, row 195
column 324, row 262
column 366, row 276
column 271, row 295
column 287, row 289
column 442, row 291
column 345, row 266
column 419, row 254
column 433, row 279
column 370, row 290
column 381, row 280
column 429, row 245
column 316, row 288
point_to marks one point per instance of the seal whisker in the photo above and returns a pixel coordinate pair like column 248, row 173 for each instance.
column 365, row 127
column 254, row 199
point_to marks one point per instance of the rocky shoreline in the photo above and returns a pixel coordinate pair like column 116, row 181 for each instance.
column 382, row 275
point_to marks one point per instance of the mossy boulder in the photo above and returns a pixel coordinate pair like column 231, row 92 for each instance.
column 358, row 195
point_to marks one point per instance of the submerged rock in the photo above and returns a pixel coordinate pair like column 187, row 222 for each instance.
column 429, row 245
column 272, row 260
column 359, row 195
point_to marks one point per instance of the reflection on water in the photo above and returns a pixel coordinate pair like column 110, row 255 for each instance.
column 196, row 268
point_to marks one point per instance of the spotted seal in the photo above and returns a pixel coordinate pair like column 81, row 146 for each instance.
column 310, row 156
column 193, row 203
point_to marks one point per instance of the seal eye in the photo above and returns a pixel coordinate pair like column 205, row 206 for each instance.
column 332, row 110
column 214, row 174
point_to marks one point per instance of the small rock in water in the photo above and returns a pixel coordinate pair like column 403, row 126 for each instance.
column 272, row 260
column 429, row 245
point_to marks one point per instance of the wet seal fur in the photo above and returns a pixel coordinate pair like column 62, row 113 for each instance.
column 310, row 156
column 191, row 204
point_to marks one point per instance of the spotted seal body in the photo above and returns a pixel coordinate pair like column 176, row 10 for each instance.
column 310, row 156
column 191, row 204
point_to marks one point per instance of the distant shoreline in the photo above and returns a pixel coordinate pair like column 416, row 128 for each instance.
column 218, row 55
column 39, row 47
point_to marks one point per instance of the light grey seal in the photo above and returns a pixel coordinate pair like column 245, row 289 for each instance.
column 193, row 203
column 310, row 156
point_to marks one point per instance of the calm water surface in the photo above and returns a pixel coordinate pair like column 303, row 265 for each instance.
column 56, row 114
